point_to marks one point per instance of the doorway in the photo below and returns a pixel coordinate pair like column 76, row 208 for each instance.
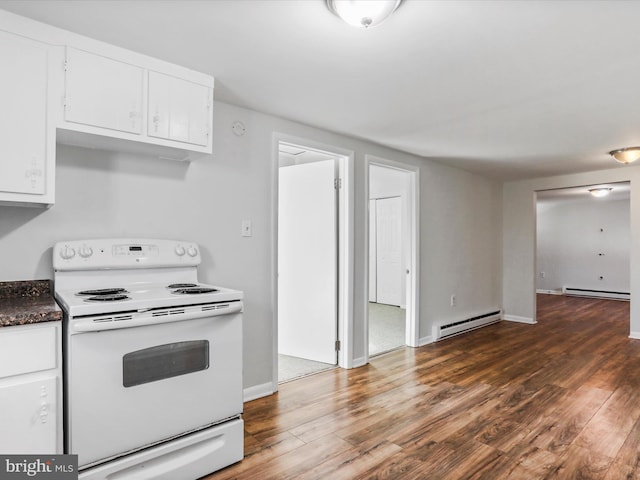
column 308, row 239
column 392, row 266
column 583, row 241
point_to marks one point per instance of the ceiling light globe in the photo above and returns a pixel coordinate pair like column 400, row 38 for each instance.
column 600, row 192
column 363, row 13
column 626, row 155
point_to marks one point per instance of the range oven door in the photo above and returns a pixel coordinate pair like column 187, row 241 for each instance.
column 128, row 388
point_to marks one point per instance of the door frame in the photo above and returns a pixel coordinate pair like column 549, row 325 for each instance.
column 345, row 249
column 412, row 330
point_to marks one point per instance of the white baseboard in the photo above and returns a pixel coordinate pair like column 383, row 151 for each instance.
column 516, row 318
column 634, row 335
column 258, row 391
column 550, row 292
column 358, row 362
column 422, row 341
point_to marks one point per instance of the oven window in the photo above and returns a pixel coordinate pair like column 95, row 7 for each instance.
column 164, row 361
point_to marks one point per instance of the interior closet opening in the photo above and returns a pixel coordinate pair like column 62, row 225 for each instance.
column 583, row 241
column 308, row 256
column 392, row 228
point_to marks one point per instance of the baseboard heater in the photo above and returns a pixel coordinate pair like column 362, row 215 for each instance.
column 440, row 332
column 585, row 292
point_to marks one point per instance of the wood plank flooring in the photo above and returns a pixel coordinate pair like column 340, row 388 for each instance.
column 555, row 400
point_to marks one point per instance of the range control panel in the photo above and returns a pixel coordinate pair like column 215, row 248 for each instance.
column 118, row 253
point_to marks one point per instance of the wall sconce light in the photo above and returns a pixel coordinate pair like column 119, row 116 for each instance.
column 600, row 191
column 626, row 155
column 363, row 13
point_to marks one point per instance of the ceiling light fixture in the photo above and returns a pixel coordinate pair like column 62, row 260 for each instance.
column 600, row 191
column 626, row 155
column 363, row 13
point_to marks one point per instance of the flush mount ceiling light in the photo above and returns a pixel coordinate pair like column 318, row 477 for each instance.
column 626, row 155
column 600, row 191
column 363, row 13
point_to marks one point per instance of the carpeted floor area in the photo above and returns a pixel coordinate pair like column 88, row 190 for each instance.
column 386, row 332
column 386, row 328
column 290, row 368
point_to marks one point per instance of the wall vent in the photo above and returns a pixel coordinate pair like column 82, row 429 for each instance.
column 441, row 332
column 585, row 292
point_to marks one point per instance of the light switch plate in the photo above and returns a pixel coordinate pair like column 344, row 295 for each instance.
column 247, row 229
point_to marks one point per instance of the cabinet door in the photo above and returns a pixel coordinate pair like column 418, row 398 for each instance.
column 178, row 109
column 103, row 92
column 28, row 415
column 23, row 96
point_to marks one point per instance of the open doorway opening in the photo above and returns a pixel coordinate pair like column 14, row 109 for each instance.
column 308, row 260
column 583, row 242
column 392, row 228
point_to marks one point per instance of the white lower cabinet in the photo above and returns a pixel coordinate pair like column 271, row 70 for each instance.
column 31, row 389
column 28, row 416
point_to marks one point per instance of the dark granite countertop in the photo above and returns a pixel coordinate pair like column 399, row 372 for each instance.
column 27, row 302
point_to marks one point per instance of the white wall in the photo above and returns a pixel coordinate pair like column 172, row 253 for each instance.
column 103, row 194
column 519, row 238
column 583, row 244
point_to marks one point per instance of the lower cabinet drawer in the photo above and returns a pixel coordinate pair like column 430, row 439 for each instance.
column 28, row 348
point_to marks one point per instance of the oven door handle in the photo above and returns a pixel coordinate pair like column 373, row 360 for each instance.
column 148, row 318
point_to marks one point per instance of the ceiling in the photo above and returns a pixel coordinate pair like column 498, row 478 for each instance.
column 509, row 90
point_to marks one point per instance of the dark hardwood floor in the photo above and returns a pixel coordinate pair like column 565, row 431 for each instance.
column 560, row 399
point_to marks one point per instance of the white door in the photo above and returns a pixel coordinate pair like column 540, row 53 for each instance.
column 103, row 92
column 307, row 266
column 389, row 276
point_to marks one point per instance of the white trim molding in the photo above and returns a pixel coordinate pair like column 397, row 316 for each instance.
column 359, row 362
column 518, row 319
column 549, row 292
column 634, row 335
column 422, row 341
column 258, row 391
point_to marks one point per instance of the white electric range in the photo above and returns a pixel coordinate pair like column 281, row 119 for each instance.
column 152, row 360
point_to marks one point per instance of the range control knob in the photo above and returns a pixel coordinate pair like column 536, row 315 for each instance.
column 192, row 251
column 180, row 250
column 67, row 253
column 85, row 252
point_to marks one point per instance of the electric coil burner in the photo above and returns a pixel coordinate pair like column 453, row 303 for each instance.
column 152, row 361
column 108, row 298
column 194, row 291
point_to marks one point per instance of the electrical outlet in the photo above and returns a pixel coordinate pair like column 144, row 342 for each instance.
column 541, row 274
column 453, row 300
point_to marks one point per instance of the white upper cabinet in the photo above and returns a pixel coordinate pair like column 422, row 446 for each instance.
column 25, row 142
column 57, row 86
column 103, row 92
column 179, row 110
column 118, row 100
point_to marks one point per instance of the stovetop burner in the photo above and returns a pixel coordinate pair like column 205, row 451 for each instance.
column 108, row 297
column 194, row 291
column 103, row 291
column 182, row 285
